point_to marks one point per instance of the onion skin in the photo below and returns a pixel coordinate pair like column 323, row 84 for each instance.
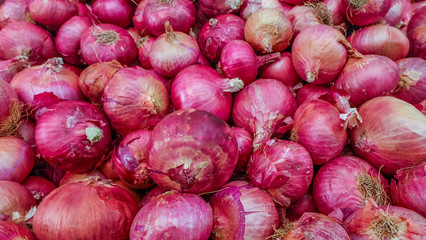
column 13, row 231
column 17, row 159
column 152, row 194
column 412, row 82
column 71, row 177
column 52, row 14
column 137, row 104
column 85, row 210
column 282, row 70
column 9, row 68
column 204, row 152
column 336, row 9
column 394, row 16
column 304, row 204
column 117, row 12
column 144, row 50
column 213, row 8
column 249, row 7
column 391, row 136
column 138, row 19
column 39, row 187
column 363, row 14
column 107, row 168
column 245, row 147
column 182, row 215
column 416, row 32
column 26, row 131
column 311, row 92
column 241, row 211
column 303, row 17
column 14, row 10
column 81, row 133
column 7, row 96
column 408, row 191
column 17, row 204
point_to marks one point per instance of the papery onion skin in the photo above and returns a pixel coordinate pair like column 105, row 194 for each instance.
column 364, row 13
column 26, row 131
column 14, row 10
column 39, row 187
column 13, row 231
column 245, row 147
column 181, row 215
column 137, row 104
column 241, row 211
column 134, row 33
column 249, row 7
column 311, row 92
column 394, row 16
column 203, row 156
column 412, row 82
column 17, row 159
column 17, row 204
column 282, row 70
column 9, row 68
column 52, row 14
column 117, row 12
column 73, row 136
column 85, row 210
column 213, row 8
column 391, row 136
column 144, row 50
column 138, row 19
column 72, row 177
column 304, row 204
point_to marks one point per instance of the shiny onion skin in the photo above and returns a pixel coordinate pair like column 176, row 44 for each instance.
column 213, row 8
column 17, row 159
column 203, row 152
column 14, row 10
column 245, row 147
column 241, row 211
column 219, row 31
column 107, row 168
column 173, row 215
column 144, row 50
column 336, row 10
column 318, row 127
column 382, row 40
column 304, row 204
column 117, row 12
column 408, row 188
column 106, row 42
column 319, row 54
column 17, row 204
column 10, row 110
column 71, row 177
column 73, row 136
column 9, row 68
column 412, row 82
column 268, row 30
column 263, row 108
column 394, row 16
column 346, row 183
column 68, row 37
column 251, row 6
column 130, row 158
column 202, row 88
column 13, row 231
column 85, row 210
column 135, row 99
column 367, row 77
column 53, row 13
column 416, row 32
column 138, row 19
column 391, row 136
column 39, row 187
column 367, row 12
column 282, row 70
column 311, row 92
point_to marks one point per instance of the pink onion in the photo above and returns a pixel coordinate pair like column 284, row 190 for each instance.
column 219, row 31
column 282, row 70
column 9, row 68
column 245, row 147
column 72, row 177
column 203, row 152
column 394, row 16
column 85, row 210
column 134, row 33
column 73, row 68
column 308, row 15
column 51, row 173
column 73, row 136
column 202, row 88
column 17, row 159
column 200, row 20
column 135, row 99
column 304, row 204
column 251, row 6
column 117, row 12
column 416, row 32
column 213, row 8
column 12, row 111
column 392, row 134
column 173, row 215
column 107, row 168
column 363, row 13
column 238, row 60
column 335, row 7
column 412, row 82
column 144, row 50
column 138, row 19
column 8, row 98
column 26, row 130
column 15, row 231
column 152, row 194
column 408, row 190
column 106, row 42
column 17, row 204
column 14, row 10
column 417, row 20
column 136, row 194
column 241, row 211
column 85, row 10
column 311, row 92
column 264, row 108
column 268, row 30
column 39, row 187
column 318, row 127
column 53, row 13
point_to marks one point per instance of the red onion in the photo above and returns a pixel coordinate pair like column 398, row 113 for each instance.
column 108, row 170
column 213, row 8
column 26, row 40
column 39, row 187
column 282, row 70
column 202, row 88
column 14, row 10
column 304, row 204
column 95, row 77
column 241, row 211
column 308, row 15
column 382, row 40
column 15, row 231
column 117, row 12
column 9, row 68
column 12, row 111
column 251, row 6
column 26, row 130
column 219, row 31
column 394, row 16
column 136, row 194
column 144, row 50
column 173, row 215
column 152, row 194
column 8, row 98
column 335, row 8
column 238, row 60
column 17, row 204
column 73, row 68
column 264, row 108
column 85, row 210
column 245, row 147
column 53, row 13
column 138, row 19
column 417, row 20
column 17, row 159
column 203, row 152
column 44, row 169
column 363, row 13
column 106, row 42
column 408, row 191
column 412, row 82
column 416, row 32
column 385, row 222
column 73, row 136
column 71, row 177
column 268, row 30
column 173, row 51
column 318, row 127
column 311, row 92
column 135, row 99
column 85, row 10
column 134, row 33
column 392, row 134
column 200, row 20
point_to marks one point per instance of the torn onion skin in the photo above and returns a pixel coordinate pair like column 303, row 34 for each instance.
column 412, row 83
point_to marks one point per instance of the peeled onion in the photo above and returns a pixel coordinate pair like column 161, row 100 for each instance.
column 17, row 204
column 17, row 159
column 412, row 82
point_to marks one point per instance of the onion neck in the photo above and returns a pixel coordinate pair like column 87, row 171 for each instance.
column 170, row 35
column 236, row 4
column 352, row 52
column 55, row 64
column 232, row 85
column 17, row 114
column 311, row 76
column 94, row 134
column 408, row 79
column 322, row 12
column 357, row 4
column 268, row 58
column 385, row 227
column 106, row 37
column 213, row 22
column 371, row 187
column 166, row 2
column 281, row 232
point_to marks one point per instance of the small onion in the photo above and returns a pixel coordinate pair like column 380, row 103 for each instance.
column 39, row 187
column 17, row 204
column 245, row 147
column 249, row 7
column 14, row 10
column 117, row 12
column 412, row 82
column 213, row 8
column 282, row 70
column 53, row 13
column 17, row 159
column 144, row 50
column 308, row 15
column 138, row 19
column 311, row 92
column 72, row 177
column 13, row 231
column 366, row 12
column 304, row 204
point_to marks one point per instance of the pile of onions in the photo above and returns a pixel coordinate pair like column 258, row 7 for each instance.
column 311, row 92
column 17, row 159
column 282, row 70
column 173, row 51
column 130, row 159
column 202, row 88
column 382, row 40
column 304, row 204
column 245, row 147
column 73, row 136
column 391, row 136
column 192, row 151
column 408, row 191
column 10, row 230
column 144, row 49
column 70, row 177
column 249, row 7
column 14, row 10
column 416, row 32
column 310, row 14
column 135, row 99
column 412, row 82
column 268, row 30
column 212, row 8
column 241, row 211
column 53, row 13
column 39, row 187
column 173, row 215
column 9, row 68
column 117, row 12
column 17, row 204
column 138, row 19
column 367, row 12
column 106, row 42
column 238, row 60
column 264, row 108
column 85, row 210
column 219, row 31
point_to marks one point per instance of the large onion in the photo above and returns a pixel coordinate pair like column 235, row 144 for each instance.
column 16, row 202
column 367, row 12
column 14, row 231
column 412, row 82
column 39, row 187
column 53, row 13
column 17, row 159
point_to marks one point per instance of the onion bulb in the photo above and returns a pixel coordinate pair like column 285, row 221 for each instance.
column 366, row 12
column 39, row 187
column 14, row 231
column 17, row 204
column 412, row 83
column 245, row 147
column 282, row 70
column 53, row 13
column 17, row 159
column 117, row 12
